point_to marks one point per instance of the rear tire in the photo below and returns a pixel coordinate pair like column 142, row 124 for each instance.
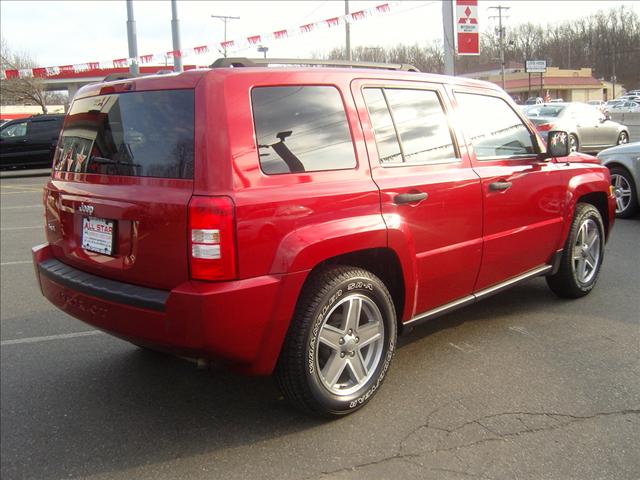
column 340, row 342
column 582, row 255
column 625, row 191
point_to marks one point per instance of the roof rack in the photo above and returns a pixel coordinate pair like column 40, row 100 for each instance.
column 264, row 62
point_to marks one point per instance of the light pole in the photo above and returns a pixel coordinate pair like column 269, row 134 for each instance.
column 500, row 8
column 225, row 19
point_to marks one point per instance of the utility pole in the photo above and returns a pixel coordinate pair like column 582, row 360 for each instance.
column 449, row 42
column 131, row 39
column 175, row 35
column 347, row 30
column 500, row 8
column 225, row 19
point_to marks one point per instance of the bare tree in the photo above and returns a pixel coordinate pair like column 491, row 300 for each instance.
column 27, row 89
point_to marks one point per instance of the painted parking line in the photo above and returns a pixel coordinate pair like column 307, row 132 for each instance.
column 21, row 186
column 19, row 193
column 8, row 229
column 17, row 207
column 49, row 338
column 20, row 262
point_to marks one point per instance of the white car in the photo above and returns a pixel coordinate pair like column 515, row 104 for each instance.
column 624, row 107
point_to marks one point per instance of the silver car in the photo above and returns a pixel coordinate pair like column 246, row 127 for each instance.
column 624, row 164
column 589, row 129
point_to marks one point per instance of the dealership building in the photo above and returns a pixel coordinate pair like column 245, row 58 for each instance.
column 570, row 85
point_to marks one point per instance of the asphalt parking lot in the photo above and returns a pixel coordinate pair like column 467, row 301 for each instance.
column 523, row 385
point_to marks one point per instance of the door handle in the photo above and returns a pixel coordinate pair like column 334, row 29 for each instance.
column 499, row 186
column 405, row 198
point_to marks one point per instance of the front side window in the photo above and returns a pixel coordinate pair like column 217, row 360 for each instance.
column 15, row 130
column 416, row 118
column 301, row 129
column 142, row 134
column 493, row 127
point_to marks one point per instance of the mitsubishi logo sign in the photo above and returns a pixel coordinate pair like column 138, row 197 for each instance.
column 467, row 29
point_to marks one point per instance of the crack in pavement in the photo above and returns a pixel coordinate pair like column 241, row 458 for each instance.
column 559, row 420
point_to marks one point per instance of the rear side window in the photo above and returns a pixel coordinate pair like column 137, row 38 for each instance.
column 142, row 134
column 45, row 128
column 493, row 127
column 416, row 118
column 301, row 129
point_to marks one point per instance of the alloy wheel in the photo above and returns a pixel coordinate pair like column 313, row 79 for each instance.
column 586, row 251
column 622, row 191
column 350, row 344
column 623, row 138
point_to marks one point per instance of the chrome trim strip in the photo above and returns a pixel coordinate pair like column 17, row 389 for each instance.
column 469, row 299
column 504, row 285
column 443, row 309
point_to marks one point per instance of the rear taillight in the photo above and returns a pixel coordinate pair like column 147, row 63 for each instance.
column 545, row 127
column 212, row 238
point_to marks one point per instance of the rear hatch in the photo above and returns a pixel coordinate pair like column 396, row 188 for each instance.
column 117, row 203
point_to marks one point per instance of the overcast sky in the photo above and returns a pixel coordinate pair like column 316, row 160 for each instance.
column 67, row 32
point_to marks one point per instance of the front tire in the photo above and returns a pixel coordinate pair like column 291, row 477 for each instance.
column 623, row 138
column 574, row 144
column 340, row 343
column 582, row 255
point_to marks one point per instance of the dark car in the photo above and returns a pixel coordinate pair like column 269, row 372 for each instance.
column 294, row 220
column 29, row 142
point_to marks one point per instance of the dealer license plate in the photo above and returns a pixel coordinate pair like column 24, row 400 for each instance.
column 97, row 235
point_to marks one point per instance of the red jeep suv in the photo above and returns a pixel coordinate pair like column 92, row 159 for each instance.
column 293, row 220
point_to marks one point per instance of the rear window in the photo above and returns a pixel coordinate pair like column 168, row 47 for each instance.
column 141, row 134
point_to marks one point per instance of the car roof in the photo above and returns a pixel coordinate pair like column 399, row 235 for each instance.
column 190, row 78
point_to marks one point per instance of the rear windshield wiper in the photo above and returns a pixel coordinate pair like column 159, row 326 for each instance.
column 111, row 161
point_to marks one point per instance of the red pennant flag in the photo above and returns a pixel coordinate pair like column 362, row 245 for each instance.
column 280, row 34
column 200, row 50
column 307, row 28
column 227, row 44
column 174, row 54
column 67, row 68
column 253, row 40
column 40, row 72
column 333, row 22
column 120, row 62
column 146, row 58
column 383, row 8
column 358, row 15
column 11, row 74
column 93, row 65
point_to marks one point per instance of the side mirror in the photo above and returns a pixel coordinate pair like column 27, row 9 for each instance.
column 558, row 144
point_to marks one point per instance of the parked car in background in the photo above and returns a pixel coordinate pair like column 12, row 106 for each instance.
column 294, row 220
column 29, row 142
column 589, row 129
column 623, row 107
column 599, row 104
column 624, row 163
column 534, row 100
column 557, row 100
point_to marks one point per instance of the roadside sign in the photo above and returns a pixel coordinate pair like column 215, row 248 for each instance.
column 535, row 66
column 467, row 29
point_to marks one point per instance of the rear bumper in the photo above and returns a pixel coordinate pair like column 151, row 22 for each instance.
column 243, row 322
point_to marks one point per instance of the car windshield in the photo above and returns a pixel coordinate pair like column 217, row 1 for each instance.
column 544, row 110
